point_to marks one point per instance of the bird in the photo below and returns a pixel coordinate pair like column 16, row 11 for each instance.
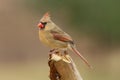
column 54, row 37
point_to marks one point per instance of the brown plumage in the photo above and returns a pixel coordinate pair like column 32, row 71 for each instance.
column 51, row 35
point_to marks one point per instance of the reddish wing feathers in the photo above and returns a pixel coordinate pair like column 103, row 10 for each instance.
column 61, row 37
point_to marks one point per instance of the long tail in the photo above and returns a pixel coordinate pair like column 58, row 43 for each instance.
column 80, row 55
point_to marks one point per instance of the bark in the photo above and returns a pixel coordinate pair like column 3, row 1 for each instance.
column 62, row 67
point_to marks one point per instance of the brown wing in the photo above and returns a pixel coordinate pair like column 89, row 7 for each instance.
column 61, row 36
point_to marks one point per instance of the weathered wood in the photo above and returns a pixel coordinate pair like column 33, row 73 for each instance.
column 62, row 67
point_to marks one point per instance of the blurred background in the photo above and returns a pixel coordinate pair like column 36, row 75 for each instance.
column 93, row 24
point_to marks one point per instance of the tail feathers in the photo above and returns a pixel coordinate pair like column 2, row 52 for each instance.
column 80, row 55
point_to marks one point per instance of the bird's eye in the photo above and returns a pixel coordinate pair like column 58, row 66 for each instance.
column 42, row 25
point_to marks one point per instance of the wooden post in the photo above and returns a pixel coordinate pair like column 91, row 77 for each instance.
column 62, row 67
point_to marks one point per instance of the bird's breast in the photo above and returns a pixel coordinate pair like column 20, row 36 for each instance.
column 43, row 37
column 47, row 38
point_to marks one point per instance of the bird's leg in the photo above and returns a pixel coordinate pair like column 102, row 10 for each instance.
column 55, row 50
column 65, row 52
column 52, row 50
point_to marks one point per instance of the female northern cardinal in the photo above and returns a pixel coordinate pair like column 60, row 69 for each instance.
column 51, row 35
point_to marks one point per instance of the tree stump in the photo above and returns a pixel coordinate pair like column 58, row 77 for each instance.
column 62, row 67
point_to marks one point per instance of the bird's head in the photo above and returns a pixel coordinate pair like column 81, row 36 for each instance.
column 44, row 21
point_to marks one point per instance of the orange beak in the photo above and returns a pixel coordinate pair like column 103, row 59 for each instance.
column 40, row 25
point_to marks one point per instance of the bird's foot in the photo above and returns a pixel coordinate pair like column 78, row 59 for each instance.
column 52, row 50
column 56, row 51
